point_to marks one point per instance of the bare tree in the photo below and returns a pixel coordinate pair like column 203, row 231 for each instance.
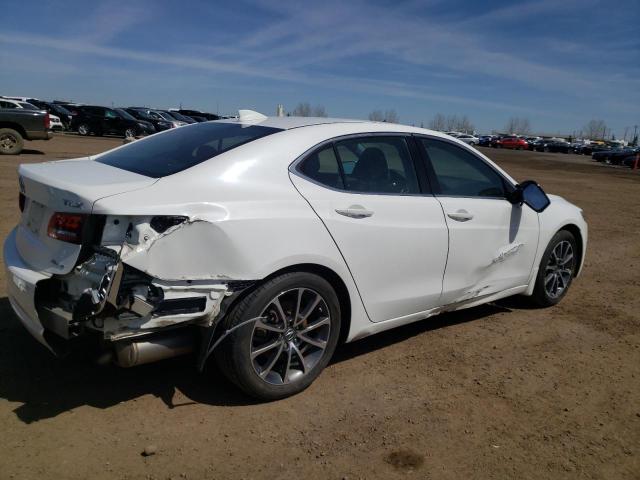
column 389, row 116
column 595, row 129
column 452, row 123
column 304, row 109
column 465, row 125
column 518, row 126
column 437, row 122
column 319, row 111
column 376, row 116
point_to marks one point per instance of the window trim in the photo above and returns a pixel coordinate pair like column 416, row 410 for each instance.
column 414, row 156
column 433, row 178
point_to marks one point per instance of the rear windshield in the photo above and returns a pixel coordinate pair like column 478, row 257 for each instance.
column 181, row 148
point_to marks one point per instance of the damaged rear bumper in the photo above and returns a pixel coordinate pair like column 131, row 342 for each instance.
column 21, row 287
column 138, row 317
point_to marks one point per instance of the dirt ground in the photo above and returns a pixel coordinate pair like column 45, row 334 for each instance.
column 500, row 391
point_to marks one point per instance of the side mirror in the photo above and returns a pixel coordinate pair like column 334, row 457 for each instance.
column 531, row 194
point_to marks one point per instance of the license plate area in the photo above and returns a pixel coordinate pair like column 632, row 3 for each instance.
column 34, row 217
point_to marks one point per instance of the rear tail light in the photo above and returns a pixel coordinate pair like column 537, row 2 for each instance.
column 66, row 227
column 21, row 201
column 47, row 121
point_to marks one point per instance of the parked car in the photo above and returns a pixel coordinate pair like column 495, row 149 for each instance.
column 183, row 242
column 147, row 128
column 20, row 124
column 102, row 120
column 468, row 139
column 513, row 142
column 591, row 148
column 201, row 116
column 485, row 140
column 559, row 146
column 161, row 114
column 615, row 156
column 178, row 116
column 159, row 123
column 63, row 115
column 9, row 103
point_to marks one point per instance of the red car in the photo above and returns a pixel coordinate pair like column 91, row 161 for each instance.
column 512, row 142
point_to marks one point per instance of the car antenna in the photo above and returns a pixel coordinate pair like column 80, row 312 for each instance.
column 250, row 116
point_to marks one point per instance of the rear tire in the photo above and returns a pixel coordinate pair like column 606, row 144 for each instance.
column 557, row 269
column 11, row 142
column 295, row 351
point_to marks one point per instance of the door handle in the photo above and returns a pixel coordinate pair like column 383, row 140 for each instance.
column 355, row 211
column 460, row 216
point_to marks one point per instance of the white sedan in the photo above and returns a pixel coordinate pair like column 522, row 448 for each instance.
column 264, row 242
column 468, row 139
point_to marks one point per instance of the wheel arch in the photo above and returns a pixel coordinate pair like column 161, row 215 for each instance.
column 14, row 126
column 577, row 234
column 329, row 275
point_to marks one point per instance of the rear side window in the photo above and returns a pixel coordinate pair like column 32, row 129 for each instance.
column 322, row 166
column 460, row 173
column 376, row 165
column 181, row 148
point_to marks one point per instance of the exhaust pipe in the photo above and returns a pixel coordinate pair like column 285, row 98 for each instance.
column 133, row 353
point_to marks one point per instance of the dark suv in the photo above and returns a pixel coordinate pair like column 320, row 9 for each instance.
column 108, row 121
column 197, row 115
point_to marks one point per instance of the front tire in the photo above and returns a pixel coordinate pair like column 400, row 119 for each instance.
column 557, row 268
column 130, row 133
column 284, row 352
column 84, row 129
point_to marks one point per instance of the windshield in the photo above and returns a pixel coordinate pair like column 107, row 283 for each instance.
column 125, row 114
column 60, row 109
column 166, row 116
column 179, row 116
column 143, row 114
column 28, row 106
column 182, row 148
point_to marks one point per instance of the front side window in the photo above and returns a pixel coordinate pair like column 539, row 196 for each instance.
column 181, row 148
column 460, row 173
column 4, row 104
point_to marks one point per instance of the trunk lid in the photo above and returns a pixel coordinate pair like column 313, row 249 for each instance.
column 71, row 186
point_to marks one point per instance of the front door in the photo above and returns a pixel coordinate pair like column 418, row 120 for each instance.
column 492, row 243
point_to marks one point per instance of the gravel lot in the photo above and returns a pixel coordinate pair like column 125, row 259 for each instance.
column 500, row 391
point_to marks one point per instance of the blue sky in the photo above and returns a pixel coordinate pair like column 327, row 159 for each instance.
column 558, row 62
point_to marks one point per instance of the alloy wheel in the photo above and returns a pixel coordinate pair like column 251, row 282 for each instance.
column 559, row 269
column 291, row 336
column 8, row 141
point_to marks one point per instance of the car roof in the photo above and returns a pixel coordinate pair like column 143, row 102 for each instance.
column 287, row 123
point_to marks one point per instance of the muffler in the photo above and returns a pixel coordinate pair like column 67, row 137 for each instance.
column 131, row 353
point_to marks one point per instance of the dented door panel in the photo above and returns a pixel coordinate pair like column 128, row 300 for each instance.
column 492, row 251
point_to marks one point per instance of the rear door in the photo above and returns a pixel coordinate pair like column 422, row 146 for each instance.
column 492, row 243
column 389, row 228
